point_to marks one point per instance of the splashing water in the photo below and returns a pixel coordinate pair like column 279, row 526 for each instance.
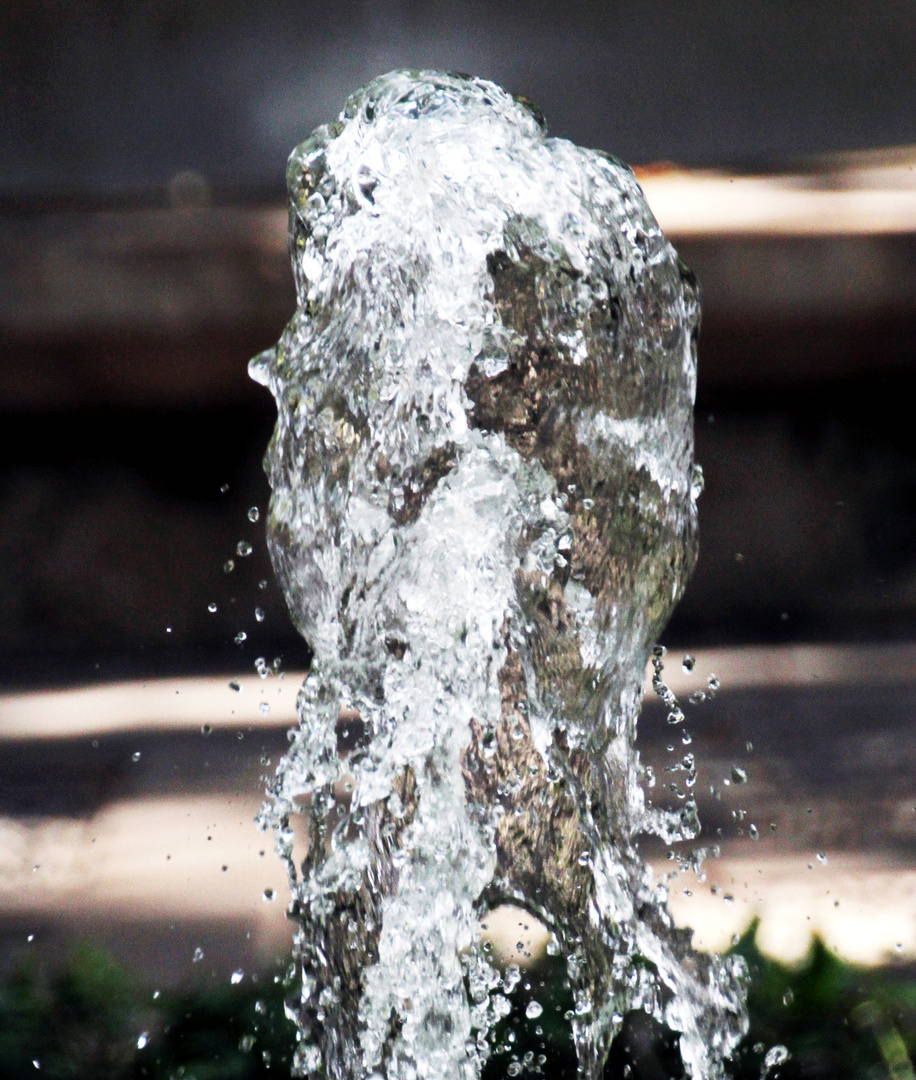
column 483, row 512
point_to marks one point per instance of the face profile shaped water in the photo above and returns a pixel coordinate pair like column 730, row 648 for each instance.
column 483, row 512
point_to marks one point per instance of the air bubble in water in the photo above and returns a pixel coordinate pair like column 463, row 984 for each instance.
column 240, row 637
column 688, row 663
column 264, row 708
column 259, row 614
column 197, row 956
column 236, row 977
column 228, row 566
column 212, row 608
column 135, row 756
column 243, row 548
column 254, row 513
column 534, row 1010
column 142, row 1040
column 235, row 685
column 738, row 775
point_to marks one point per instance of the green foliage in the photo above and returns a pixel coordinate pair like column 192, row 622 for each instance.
column 74, row 1023
column 85, row 1018
column 837, row 1021
column 88, row 1019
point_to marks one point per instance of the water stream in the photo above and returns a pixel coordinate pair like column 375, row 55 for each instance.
column 483, row 512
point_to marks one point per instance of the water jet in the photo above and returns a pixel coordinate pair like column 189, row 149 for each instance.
column 483, row 511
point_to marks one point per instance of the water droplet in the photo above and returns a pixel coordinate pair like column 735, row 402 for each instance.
column 36, row 867
column 754, row 834
column 689, row 662
column 254, row 513
column 534, row 1010
column 243, row 548
column 228, row 566
column 264, row 708
column 259, row 614
column 142, row 1040
column 36, row 1063
column 776, row 1055
column 212, row 608
column 168, row 629
column 236, row 977
column 30, row 938
column 240, row 637
column 269, row 896
column 712, row 683
column 156, row 995
column 822, row 858
column 224, row 488
column 788, row 997
column 245, row 1043
column 739, row 776
column 135, row 756
column 262, row 584
column 198, row 955
column 206, row 729
column 235, row 685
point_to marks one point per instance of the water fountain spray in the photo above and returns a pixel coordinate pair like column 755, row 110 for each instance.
column 483, row 512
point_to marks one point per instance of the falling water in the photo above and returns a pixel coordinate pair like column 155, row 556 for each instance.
column 483, row 512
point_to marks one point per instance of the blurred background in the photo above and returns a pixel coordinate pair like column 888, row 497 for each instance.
column 143, row 642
